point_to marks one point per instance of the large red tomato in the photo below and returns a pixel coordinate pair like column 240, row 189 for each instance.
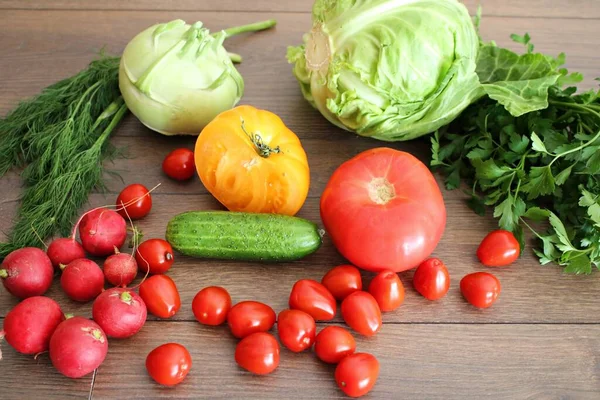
column 384, row 210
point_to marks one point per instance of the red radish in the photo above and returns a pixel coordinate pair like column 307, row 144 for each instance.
column 121, row 313
column 30, row 324
column 77, row 347
column 64, row 250
column 82, row 280
column 27, row 272
column 120, row 269
column 102, row 230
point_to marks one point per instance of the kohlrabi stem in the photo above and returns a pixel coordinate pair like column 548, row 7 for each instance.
column 235, row 58
column 257, row 26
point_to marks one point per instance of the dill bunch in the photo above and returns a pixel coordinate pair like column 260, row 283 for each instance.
column 60, row 137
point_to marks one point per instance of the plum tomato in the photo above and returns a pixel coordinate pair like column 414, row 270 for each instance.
column 155, row 255
column 211, row 305
column 361, row 312
column 388, row 291
column 481, row 289
column 297, row 330
column 431, row 279
column 334, row 343
column 357, row 374
column 258, row 353
column 498, row 249
column 342, row 280
column 248, row 317
column 135, row 201
column 314, row 299
column 179, row 164
column 169, row 364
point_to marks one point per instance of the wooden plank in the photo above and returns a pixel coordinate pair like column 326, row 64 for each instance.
column 416, row 362
column 530, row 292
column 514, row 8
column 24, row 377
column 78, row 35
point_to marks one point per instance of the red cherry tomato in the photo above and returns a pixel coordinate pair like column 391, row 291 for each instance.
column 160, row 295
column 498, row 249
column 136, row 200
column 383, row 210
column 296, row 330
column 361, row 312
column 179, row 164
column 248, row 317
column 342, row 280
column 156, row 255
column 314, row 299
column 211, row 305
column 356, row 374
column 258, row 353
column 169, row 364
column 481, row 289
column 334, row 343
column 388, row 291
column 431, row 279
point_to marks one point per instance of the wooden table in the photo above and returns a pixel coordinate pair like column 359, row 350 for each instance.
column 541, row 339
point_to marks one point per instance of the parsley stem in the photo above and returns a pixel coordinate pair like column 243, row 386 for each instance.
column 530, row 228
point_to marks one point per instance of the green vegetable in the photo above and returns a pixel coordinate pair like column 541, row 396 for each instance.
column 176, row 77
column 243, row 236
column 60, row 137
column 399, row 69
column 538, row 166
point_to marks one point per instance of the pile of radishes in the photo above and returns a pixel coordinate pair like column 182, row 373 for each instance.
column 77, row 345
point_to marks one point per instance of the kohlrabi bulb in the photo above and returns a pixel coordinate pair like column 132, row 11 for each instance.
column 176, row 77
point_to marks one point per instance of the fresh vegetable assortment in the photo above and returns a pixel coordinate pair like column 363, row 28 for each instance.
column 383, row 69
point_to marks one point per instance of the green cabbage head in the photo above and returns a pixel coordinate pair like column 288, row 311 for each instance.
column 389, row 69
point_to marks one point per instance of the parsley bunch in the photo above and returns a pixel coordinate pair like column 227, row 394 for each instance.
column 539, row 166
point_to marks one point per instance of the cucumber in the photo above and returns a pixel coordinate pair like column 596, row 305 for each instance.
column 241, row 236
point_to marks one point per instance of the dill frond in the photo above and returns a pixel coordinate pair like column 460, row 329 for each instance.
column 60, row 137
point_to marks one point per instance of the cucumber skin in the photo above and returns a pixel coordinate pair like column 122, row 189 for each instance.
column 225, row 235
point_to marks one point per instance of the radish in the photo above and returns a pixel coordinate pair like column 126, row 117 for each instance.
column 82, row 280
column 120, row 269
column 77, row 347
column 30, row 324
column 102, row 230
column 64, row 250
column 121, row 313
column 27, row 272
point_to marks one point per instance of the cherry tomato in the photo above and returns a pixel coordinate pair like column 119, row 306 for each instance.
column 296, row 329
column 314, row 299
column 169, row 364
column 361, row 312
column 498, row 249
column 388, row 291
column 334, row 343
column 356, row 374
column 160, row 295
column 258, row 353
column 211, row 305
column 248, row 317
column 136, row 200
column 481, row 289
column 179, row 164
column 156, row 255
column 342, row 280
column 431, row 279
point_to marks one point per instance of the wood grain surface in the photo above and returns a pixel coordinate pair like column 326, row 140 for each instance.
column 541, row 340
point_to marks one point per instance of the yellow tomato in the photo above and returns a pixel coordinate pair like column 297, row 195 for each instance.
column 250, row 161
